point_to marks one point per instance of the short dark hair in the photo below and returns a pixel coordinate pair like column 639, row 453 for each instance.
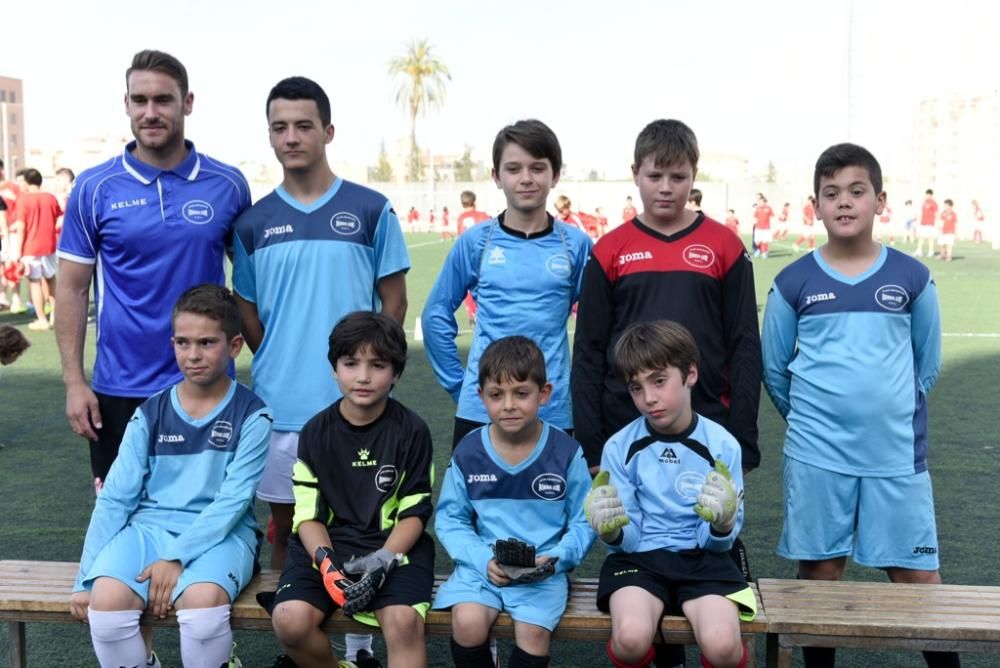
column 512, row 358
column 928, row 192
column 648, row 346
column 212, row 301
column 839, row 156
column 68, row 172
column 32, row 177
column 533, row 136
column 12, row 342
column 301, row 88
column 949, row 202
column 695, row 196
column 367, row 329
column 670, row 142
column 159, row 61
column 468, row 198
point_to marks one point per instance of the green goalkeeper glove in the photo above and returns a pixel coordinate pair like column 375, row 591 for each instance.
column 604, row 509
column 719, row 502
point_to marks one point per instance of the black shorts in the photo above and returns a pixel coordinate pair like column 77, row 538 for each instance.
column 411, row 584
column 115, row 414
column 672, row 577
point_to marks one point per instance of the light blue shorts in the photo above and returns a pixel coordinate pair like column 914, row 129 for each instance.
column 229, row 564
column 892, row 518
column 541, row 604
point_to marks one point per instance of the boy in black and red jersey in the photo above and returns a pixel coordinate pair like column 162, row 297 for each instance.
column 669, row 263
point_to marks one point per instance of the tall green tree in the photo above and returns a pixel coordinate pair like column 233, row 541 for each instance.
column 420, row 83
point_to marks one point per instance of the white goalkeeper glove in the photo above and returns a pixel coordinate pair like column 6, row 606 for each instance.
column 604, row 509
column 719, row 502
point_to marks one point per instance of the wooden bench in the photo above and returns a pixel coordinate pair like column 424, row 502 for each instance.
column 878, row 615
column 38, row 591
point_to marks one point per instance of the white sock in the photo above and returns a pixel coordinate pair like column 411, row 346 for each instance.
column 355, row 642
column 206, row 636
column 116, row 638
column 493, row 649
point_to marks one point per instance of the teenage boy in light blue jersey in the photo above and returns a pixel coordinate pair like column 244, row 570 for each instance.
column 143, row 227
column 174, row 526
column 852, row 346
column 315, row 249
column 524, row 270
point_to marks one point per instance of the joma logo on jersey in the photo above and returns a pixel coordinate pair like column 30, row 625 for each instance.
column 924, row 550
column 632, row 257
column 481, row 477
column 820, row 297
column 170, row 438
column 280, row 229
column 363, row 461
column 668, row 456
column 128, row 203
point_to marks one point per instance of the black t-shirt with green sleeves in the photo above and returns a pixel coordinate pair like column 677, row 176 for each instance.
column 361, row 481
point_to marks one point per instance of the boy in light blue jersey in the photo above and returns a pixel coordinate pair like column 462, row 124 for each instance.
column 668, row 503
column 315, row 249
column 515, row 479
column 852, row 346
column 174, row 526
column 524, row 270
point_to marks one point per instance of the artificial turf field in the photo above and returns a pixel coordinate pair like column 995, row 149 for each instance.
column 47, row 495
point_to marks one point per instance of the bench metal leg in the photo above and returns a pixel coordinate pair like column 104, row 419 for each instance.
column 18, row 648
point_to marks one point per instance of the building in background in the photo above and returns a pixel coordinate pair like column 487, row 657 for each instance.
column 12, row 124
column 956, row 146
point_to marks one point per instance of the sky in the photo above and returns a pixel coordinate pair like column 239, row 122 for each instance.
column 771, row 80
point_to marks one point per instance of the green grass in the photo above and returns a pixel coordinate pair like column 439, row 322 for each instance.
column 45, row 474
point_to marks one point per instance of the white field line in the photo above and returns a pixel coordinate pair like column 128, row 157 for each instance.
column 424, row 243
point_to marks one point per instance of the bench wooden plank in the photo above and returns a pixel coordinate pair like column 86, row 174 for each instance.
column 39, row 591
column 942, row 612
column 878, row 615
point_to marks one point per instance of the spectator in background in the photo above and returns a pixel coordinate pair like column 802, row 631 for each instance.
column 33, row 242
column 10, row 281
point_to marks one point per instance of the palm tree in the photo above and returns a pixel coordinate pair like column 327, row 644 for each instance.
column 421, row 80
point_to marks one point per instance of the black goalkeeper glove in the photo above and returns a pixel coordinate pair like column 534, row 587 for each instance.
column 517, row 560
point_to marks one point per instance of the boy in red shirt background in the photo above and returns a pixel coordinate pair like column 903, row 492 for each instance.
column 808, row 220
column 949, row 223
column 33, row 242
column 762, row 214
